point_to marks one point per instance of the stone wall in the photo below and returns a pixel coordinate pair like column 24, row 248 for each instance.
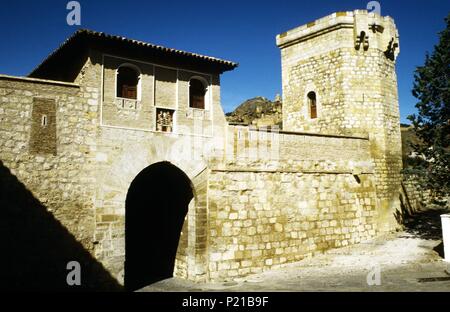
column 317, row 192
column 192, row 254
column 60, row 181
column 302, row 151
column 260, row 220
column 413, row 196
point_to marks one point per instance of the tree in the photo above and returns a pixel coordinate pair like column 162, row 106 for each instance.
column 432, row 122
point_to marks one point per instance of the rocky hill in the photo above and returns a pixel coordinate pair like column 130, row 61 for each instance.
column 257, row 111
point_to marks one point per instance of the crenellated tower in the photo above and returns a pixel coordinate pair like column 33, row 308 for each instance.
column 338, row 76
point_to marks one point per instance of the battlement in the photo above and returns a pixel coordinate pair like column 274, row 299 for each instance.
column 369, row 30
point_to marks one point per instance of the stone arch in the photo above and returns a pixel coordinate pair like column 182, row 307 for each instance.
column 311, row 89
column 134, row 71
column 312, row 104
column 121, row 166
column 156, row 205
column 204, row 85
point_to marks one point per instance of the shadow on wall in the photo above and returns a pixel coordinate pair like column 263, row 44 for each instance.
column 36, row 247
column 403, row 212
column 406, row 208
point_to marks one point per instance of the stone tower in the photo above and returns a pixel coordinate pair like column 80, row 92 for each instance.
column 338, row 76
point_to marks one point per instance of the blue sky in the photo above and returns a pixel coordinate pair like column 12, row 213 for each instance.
column 241, row 31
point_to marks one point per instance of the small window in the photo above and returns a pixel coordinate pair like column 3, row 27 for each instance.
column 44, row 120
column 312, row 104
column 127, row 82
column 197, row 91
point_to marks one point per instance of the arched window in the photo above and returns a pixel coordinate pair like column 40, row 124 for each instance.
column 312, row 104
column 197, row 92
column 127, row 82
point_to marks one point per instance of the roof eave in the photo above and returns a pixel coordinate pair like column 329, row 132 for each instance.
column 220, row 64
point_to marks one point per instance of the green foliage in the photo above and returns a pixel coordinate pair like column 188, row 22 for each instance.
column 432, row 122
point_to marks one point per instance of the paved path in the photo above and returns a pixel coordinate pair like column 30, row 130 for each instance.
column 405, row 262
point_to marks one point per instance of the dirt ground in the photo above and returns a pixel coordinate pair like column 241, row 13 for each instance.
column 411, row 260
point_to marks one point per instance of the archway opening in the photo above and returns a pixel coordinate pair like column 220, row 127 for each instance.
column 197, row 92
column 312, row 102
column 127, row 82
column 156, row 205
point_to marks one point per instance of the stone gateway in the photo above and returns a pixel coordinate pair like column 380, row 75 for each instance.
column 126, row 145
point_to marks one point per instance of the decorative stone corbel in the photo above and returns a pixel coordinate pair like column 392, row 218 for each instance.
column 376, row 28
column 390, row 51
column 362, row 39
column 361, row 29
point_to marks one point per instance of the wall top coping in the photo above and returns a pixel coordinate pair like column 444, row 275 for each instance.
column 339, row 136
column 326, row 24
column 38, row 80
